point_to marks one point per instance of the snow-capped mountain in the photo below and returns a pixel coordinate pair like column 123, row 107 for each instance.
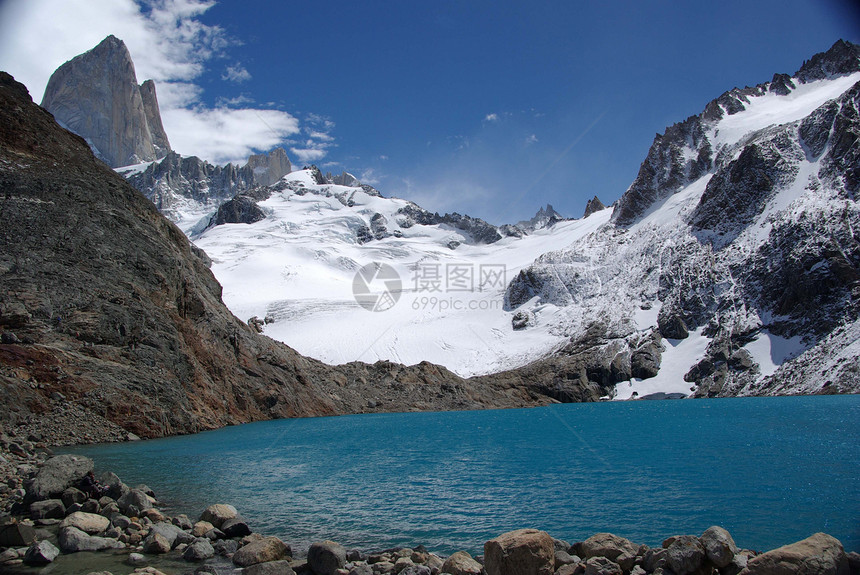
column 731, row 260
column 737, row 242
column 730, row 265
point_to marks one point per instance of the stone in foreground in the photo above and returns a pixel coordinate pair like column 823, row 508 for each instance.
column 219, row 513
column 521, row 552
column 461, row 563
column 262, row 551
column 719, row 546
column 326, row 557
column 41, row 553
column 819, row 554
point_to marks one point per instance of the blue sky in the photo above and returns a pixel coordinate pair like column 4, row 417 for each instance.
column 486, row 108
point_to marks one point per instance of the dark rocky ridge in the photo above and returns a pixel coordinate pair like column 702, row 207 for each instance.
column 667, row 169
column 113, row 321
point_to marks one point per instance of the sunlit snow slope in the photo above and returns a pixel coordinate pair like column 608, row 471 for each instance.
column 298, row 267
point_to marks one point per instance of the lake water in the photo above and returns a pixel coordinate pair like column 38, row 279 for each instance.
column 770, row 470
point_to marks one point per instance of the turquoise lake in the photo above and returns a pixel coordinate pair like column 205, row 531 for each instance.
column 770, row 470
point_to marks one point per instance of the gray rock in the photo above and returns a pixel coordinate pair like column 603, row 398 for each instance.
column 199, row 550
column 326, row 557
column 602, row 566
column 270, row 568
column 260, row 551
column 134, row 503
column 173, row 534
column 653, row 559
column 362, row 569
column 236, row 527
column 136, row 559
column 564, row 558
column 96, row 95
column 719, row 546
column 225, row 547
column 73, row 540
column 47, row 509
column 120, row 521
column 685, row 555
column 41, row 553
column 115, row 487
column 73, row 495
column 183, row 522
column 156, row 544
column 605, row 545
column 56, row 475
column 415, row 570
column 521, row 552
column 593, row 205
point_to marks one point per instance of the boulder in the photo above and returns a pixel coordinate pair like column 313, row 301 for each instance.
column 156, row 544
column 361, row 569
column 72, row 540
column 201, row 528
column 685, row 554
column 41, row 553
column 719, row 546
column 73, row 495
column 521, row 552
column 115, row 487
column 270, row 568
column 89, row 523
column 225, row 547
column 199, row 550
column 236, row 527
column 172, row 533
column 602, row 566
column 219, row 513
column 261, row 551
column 15, row 534
column 415, row 570
column 48, row 509
column 134, row 503
column 182, row 522
column 326, row 557
column 564, row 558
column 605, row 545
column 56, row 475
column 819, row 554
column 461, row 563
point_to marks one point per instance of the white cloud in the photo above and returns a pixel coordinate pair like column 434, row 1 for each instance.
column 307, row 155
column 236, row 73
column 532, row 139
column 491, row 117
column 169, row 45
column 383, row 157
column 370, row 177
column 223, row 135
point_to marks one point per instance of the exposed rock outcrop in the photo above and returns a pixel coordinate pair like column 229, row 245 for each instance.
column 96, row 95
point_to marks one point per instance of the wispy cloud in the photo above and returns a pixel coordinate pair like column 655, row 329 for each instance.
column 491, row 117
column 236, row 73
column 168, row 44
column 531, row 139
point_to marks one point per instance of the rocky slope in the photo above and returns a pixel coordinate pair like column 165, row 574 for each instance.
column 112, row 322
column 740, row 232
column 96, row 95
column 186, row 188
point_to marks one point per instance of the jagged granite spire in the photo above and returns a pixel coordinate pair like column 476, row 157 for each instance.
column 96, row 95
column 593, row 205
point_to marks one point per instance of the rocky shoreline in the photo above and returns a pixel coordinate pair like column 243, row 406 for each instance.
column 46, row 520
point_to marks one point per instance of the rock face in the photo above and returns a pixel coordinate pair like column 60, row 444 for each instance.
column 735, row 227
column 521, row 552
column 124, row 310
column 594, row 205
column 96, row 95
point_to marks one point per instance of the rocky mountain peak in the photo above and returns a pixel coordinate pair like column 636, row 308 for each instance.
column 544, row 218
column 593, row 205
column 842, row 58
column 269, row 168
column 96, row 95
